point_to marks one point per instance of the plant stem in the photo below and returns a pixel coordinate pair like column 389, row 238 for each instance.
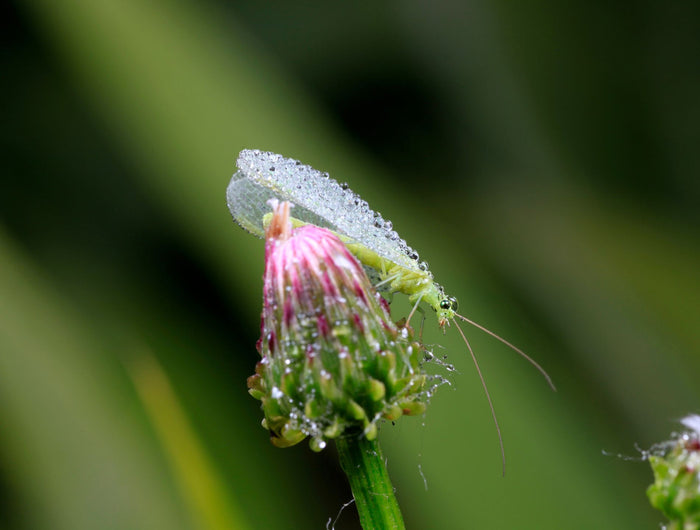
column 363, row 463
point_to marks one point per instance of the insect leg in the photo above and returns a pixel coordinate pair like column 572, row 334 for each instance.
column 422, row 323
column 387, row 280
column 415, row 307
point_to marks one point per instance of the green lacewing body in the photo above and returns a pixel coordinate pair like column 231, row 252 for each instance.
column 321, row 201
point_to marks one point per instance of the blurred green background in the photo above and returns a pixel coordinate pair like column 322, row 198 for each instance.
column 543, row 157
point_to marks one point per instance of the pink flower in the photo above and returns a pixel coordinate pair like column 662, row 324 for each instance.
column 332, row 359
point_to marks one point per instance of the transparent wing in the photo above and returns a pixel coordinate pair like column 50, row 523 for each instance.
column 247, row 201
column 318, row 200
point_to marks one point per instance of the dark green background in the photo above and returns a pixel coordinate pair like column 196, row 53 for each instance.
column 543, row 157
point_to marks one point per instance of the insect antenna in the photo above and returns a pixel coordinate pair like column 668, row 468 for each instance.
column 512, row 347
column 488, row 396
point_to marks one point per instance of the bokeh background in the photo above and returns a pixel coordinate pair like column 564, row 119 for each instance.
column 543, row 157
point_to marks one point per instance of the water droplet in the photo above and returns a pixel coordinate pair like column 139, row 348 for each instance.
column 318, row 444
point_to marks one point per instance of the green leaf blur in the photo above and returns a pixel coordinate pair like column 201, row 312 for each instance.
column 542, row 157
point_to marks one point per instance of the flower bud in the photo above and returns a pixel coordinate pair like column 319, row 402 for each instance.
column 332, row 358
column 676, row 487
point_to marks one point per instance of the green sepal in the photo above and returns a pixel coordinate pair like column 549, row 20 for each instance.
column 288, row 383
column 413, row 408
column 386, row 363
column 376, row 390
column 371, row 431
column 288, row 438
column 355, row 411
column 314, row 408
column 393, row 413
column 334, row 430
column 317, row 445
column 257, row 394
column 329, row 389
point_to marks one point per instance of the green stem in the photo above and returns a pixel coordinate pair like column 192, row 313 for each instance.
column 363, row 463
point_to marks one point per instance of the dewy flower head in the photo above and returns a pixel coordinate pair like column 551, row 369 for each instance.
column 332, row 358
column 676, row 466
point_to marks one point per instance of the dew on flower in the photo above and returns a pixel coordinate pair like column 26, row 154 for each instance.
column 346, row 364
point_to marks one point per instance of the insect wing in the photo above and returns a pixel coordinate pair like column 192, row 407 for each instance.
column 318, row 200
column 247, row 201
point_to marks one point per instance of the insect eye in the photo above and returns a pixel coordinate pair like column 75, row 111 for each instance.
column 445, row 303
